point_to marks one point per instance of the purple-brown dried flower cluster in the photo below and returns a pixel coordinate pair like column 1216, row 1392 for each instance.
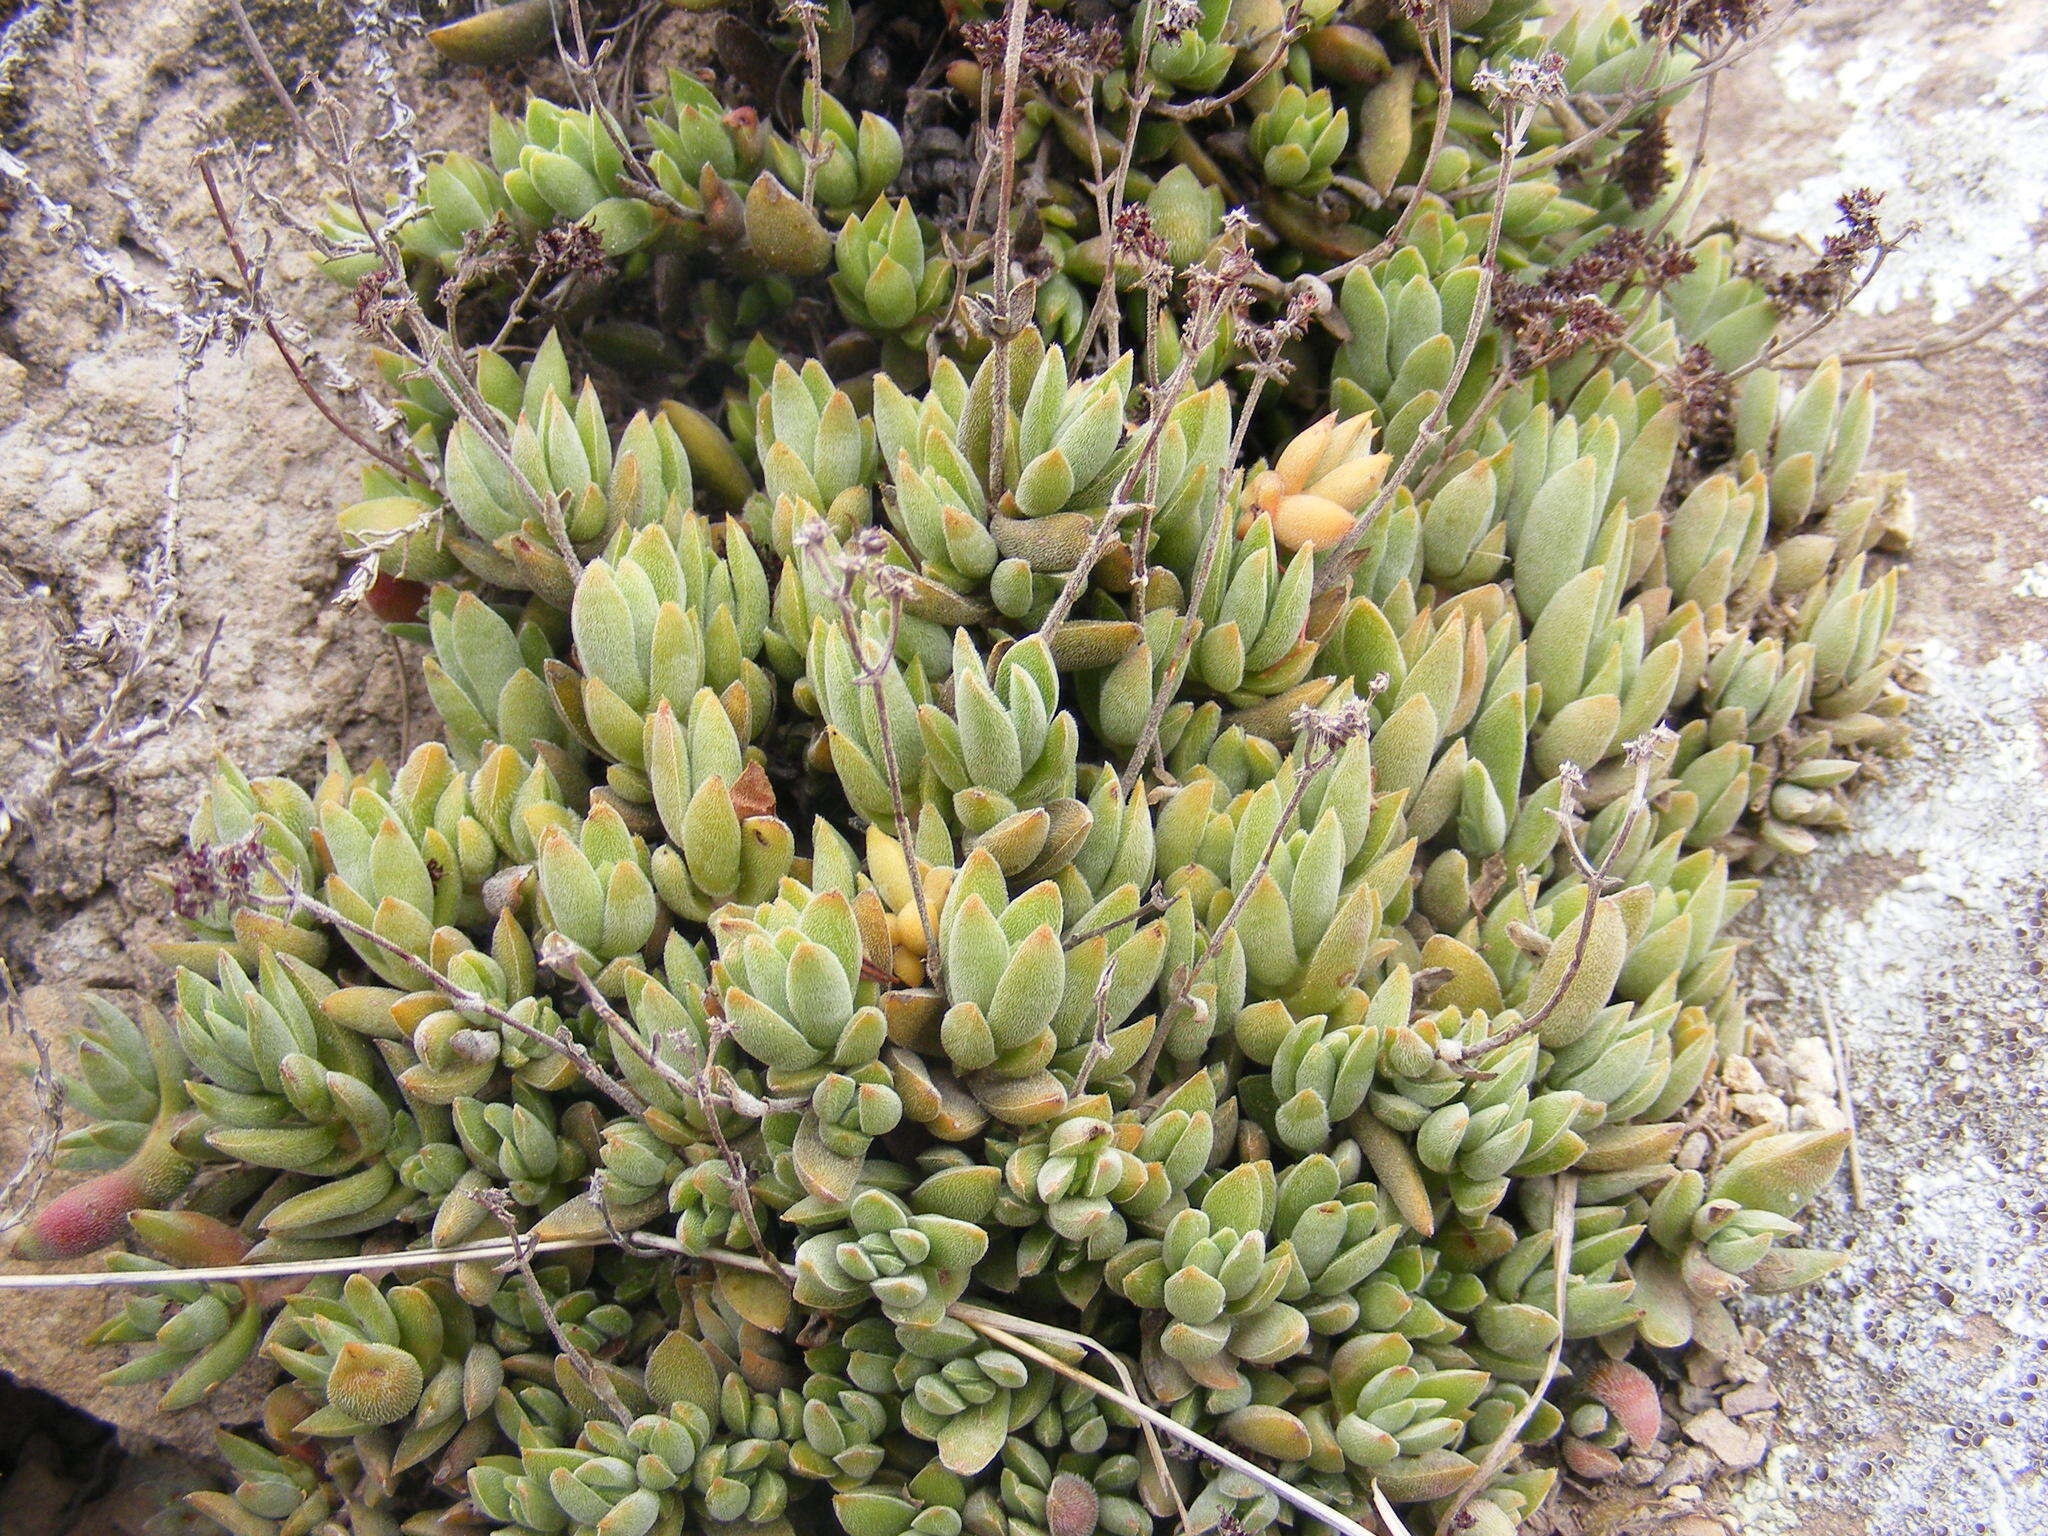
column 205, row 877
column 1573, row 304
column 1836, row 273
column 1711, row 21
column 1643, row 170
column 1702, row 392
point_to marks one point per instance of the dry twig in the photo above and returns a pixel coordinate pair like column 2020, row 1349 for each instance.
column 19, row 1192
column 499, row 1204
column 1563, row 1207
column 294, row 897
column 1844, row 1099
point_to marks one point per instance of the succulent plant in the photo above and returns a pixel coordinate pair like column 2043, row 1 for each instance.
column 883, row 280
column 1298, row 139
column 1037, row 803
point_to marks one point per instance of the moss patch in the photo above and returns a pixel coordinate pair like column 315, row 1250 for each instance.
column 301, row 39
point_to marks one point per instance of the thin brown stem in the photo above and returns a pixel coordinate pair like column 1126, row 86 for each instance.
column 1190, row 626
column 1641, row 93
column 499, row 1204
column 1844, row 1099
column 1201, row 331
column 517, row 310
column 1642, row 753
column 1777, row 349
column 1345, row 555
column 446, row 369
column 1502, row 381
column 874, row 676
column 1003, row 322
column 1104, row 311
column 693, row 1087
column 1313, row 762
column 2000, row 316
column 1438, row 130
column 284, row 351
column 1105, row 223
column 1693, row 165
column 293, row 896
column 261, row 56
column 1098, row 1044
column 806, row 13
column 1151, row 906
column 1634, row 96
column 1291, row 30
column 1563, row 1209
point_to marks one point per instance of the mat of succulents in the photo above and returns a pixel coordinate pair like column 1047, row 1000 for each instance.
column 1101, row 713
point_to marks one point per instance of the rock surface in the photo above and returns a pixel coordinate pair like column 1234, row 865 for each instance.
column 1912, row 1379
column 1910, row 1382
column 88, row 409
column 88, row 413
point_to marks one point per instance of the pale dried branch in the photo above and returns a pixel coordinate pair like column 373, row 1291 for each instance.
column 1563, row 1207
column 499, row 1204
column 19, row 1192
column 293, row 896
column 335, row 1264
column 1844, row 1099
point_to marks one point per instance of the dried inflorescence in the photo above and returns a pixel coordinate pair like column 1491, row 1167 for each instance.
column 1643, row 169
column 1091, row 897
column 1830, row 280
column 1573, row 304
column 1710, row 21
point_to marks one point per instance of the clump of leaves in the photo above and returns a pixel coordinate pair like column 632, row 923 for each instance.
column 1089, row 817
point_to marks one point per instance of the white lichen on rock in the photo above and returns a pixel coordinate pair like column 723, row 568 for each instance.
column 1937, row 131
